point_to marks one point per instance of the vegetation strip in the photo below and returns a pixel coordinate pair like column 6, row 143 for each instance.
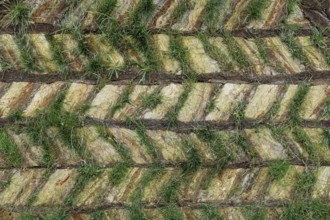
column 52, row 29
column 127, row 77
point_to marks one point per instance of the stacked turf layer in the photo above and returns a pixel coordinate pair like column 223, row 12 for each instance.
column 164, row 109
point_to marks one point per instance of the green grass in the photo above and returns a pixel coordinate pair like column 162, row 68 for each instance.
column 210, row 213
column 144, row 44
column 26, row 216
column 147, row 141
column 95, row 65
column 215, row 53
column 124, row 152
column 170, row 192
column 240, row 140
column 179, row 11
column 142, row 13
column 65, row 122
column 28, row 61
column 303, row 207
column 136, row 212
column 104, row 9
column 194, row 160
column 58, row 56
column 98, row 215
column 238, row 114
column 278, row 169
column 151, row 101
column 122, row 100
column 263, row 50
column 326, row 109
column 4, row 65
column 86, row 174
column 215, row 141
column 290, row 6
column 56, row 216
column 118, row 173
column 18, row 14
column 287, row 36
column 326, row 138
column 172, row 114
column 304, row 184
column 255, row 9
column 212, row 9
column 172, row 212
column 302, row 138
column 307, row 210
column 136, row 209
column 254, row 213
column 321, row 42
column 10, row 150
column 295, row 106
column 236, row 52
column 180, row 53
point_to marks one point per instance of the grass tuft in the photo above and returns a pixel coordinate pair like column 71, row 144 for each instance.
column 254, row 213
column 143, row 12
column 26, row 54
column 302, row 138
column 147, row 141
column 194, row 160
column 215, row 53
column 212, row 9
column 321, row 43
column 172, row 114
column 255, row 9
column 122, row 101
column 236, row 52
column 58, row 56
column 170, row 191
column 180, row 53
column 118, row 173
column 151, row 101
column 180, row 10
column 294, row 108
column 306, row 209
column 290, row 6
column 278, row 169
column 65, row 122
column 326, row 138
column 136, row 209
column 238, row 114
column 122, row 151
column 10, row 150
column 288, row 37
column 172, row 212
column 210, row 212
column 104, row 9
column 86, row 173
column 98, row 215
column 304, row 183
column 18, row 14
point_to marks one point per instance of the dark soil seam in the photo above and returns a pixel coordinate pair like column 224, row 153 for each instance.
column 180, row 127
column 242, row 32
column 178, row 165
column 312, row 77
column 152, row 205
